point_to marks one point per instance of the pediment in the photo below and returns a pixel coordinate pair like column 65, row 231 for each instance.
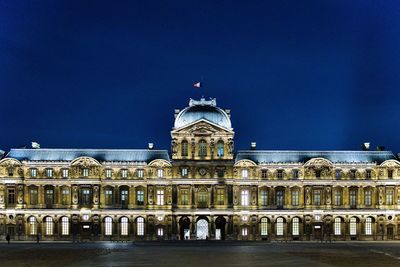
column 201, row 127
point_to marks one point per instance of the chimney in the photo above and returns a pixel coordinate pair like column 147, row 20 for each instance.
column 150, row 146
column 253, row 145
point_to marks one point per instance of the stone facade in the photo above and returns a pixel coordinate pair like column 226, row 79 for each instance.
column 202, row 190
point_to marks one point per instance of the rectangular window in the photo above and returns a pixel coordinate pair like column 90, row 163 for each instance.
column 295, row 197
column 11, row 195
column 353, row 199
column 140, row 173
column 389, row 197
column 295, row 227
column 108, row 173
column 352, row 174
column 160, row 231
column 184, row 197
column 124, row 173
column 33, row 172
column 390, row 174
column 140, row 197
column 220, row 196
column 65, row 196
column 279, row 199
column 244, row 231
column 49, row 197
column 124, row 197
column 160, row 197
column 245, row 173
column 338, row 198
column 140, row 226
column 33, row 196
column 295, row 174
column 353, row 226
column 184, row 172
column 49, row 173
column 317, row 197
column 280, row 174
column 338, row 174
column 85, row 172
column 337, row 226
column 264, row 174
column 264, row 198
column 264, row 226
column 368, row 174
column 108, row 197
column 160, row 173
column 279, row 227
column 86, row 196
column 65, row 173
column 245, row 198
column 368, row 226
column 368, row 198
column 64, row 226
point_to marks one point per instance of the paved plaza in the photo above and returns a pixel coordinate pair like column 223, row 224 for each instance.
column 201, row 253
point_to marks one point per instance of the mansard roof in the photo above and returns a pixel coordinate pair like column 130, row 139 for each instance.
column 338, row 157
column 101, row 155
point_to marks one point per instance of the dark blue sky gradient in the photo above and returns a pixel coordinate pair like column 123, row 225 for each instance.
column 296, row 74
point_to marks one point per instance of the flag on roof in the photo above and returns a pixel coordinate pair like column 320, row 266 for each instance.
column 197, row 85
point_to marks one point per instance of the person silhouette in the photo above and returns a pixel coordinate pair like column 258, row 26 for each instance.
column 8, row 238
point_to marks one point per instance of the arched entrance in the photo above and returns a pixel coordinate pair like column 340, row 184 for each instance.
column 202, row 229
column 184, row 227
column 220, row 228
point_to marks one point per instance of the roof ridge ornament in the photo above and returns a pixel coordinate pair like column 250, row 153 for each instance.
column 203, row 102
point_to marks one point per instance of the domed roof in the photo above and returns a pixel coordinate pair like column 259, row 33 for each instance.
column 203, row 109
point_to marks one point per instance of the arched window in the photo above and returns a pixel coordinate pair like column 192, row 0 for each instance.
column 49, row 226
column 65, row 226
column 368, row 226
column 140, row 226
column 185, row 148
column 295, row 226
column 264, row 226
column 202, row 148
column 32, row 226
column 108, row 226
column 279, row 226
column 220, row 148
column 124, row 226
column 353, row 226
column 337, row 226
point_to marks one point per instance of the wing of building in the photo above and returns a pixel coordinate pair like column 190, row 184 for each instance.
column 202, row 189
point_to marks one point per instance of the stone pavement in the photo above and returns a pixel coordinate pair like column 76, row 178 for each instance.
column 200, row 253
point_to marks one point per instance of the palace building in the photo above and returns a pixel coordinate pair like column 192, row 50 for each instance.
column 201, row 189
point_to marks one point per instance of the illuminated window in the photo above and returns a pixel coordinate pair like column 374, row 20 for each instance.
column 140, row 197
column 124, row 195
column 264, row 174
column 317, row 197
column 49, row 173
column 295, row 197
column 184, row 171
column 124, row 226
column 202, row 148
column 64, row 226
column 108, row 226
column 295, row 226
column 353, row 226
column 368, row 197
column 65, row 173
column 33, row 172
column 220, row 196
column 124, row 173
column 160, row 231
column 49, row 226
column 264, row 198
column 337, row 226
column 389, row 197
column 85, row 172
column 140, row 226
column 368, row 226
column 220, row 149
column 160, row 173
column 140, row 173
column 244, row 231
column 65, row 196
column 184, row 196
column 338, row 197
column 245, row 173
column 108, row 197
column 108, row 173
column 185, row 148
column 279, row 226
column 245, row 198
column 160, row 197
column 32, row 226
column 264, row 226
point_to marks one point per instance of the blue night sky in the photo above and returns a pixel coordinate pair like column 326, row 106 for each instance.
column 296, row 74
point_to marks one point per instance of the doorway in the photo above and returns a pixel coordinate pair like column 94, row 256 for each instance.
column 220, row 223
column 184, row 225
column 202, row 229
column 390, row 232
